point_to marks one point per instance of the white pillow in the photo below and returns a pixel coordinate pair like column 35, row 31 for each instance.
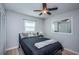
column 24, row 35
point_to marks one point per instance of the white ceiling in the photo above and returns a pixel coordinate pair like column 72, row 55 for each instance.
column 27, row 8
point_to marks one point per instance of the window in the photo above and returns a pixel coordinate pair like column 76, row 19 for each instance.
column 29, row 25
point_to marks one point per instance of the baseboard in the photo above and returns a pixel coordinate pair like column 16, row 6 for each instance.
column 12, row 48
column 72, row 51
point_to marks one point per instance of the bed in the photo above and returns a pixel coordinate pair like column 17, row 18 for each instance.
column 27, row 44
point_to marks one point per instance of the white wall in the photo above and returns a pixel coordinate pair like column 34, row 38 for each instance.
column 15, row 25
column 69, row 41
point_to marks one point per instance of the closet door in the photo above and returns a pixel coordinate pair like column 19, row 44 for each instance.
column 2, row 32
column 1, row 41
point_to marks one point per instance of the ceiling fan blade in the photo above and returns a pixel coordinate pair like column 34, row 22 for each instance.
column 40, row 14
column 37, row 10
column 44, row 5
column 50, row 9
column 48, row 13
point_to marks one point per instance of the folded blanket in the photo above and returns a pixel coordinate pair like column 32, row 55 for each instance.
column 44, row 43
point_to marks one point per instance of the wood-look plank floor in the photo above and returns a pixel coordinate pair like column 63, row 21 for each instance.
column 19, row 51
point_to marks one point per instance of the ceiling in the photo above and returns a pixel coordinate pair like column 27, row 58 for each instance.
column 27, row 8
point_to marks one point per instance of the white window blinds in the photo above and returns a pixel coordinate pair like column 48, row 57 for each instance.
column 29, row 25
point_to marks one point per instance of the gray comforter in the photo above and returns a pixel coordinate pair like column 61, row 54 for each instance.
column 28, row 47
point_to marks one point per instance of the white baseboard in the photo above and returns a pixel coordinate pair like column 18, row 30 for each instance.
column 12, row 48
column 72, row 51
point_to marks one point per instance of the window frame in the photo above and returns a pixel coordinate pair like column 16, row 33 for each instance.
column 30, row 26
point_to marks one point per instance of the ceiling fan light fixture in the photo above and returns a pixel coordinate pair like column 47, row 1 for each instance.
column 44, row 11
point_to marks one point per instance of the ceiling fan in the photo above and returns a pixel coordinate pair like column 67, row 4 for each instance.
column 46, row 10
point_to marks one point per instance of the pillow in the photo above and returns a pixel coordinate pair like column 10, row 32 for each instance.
column 40, row 36
column 23, row 35
column 31, row 34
